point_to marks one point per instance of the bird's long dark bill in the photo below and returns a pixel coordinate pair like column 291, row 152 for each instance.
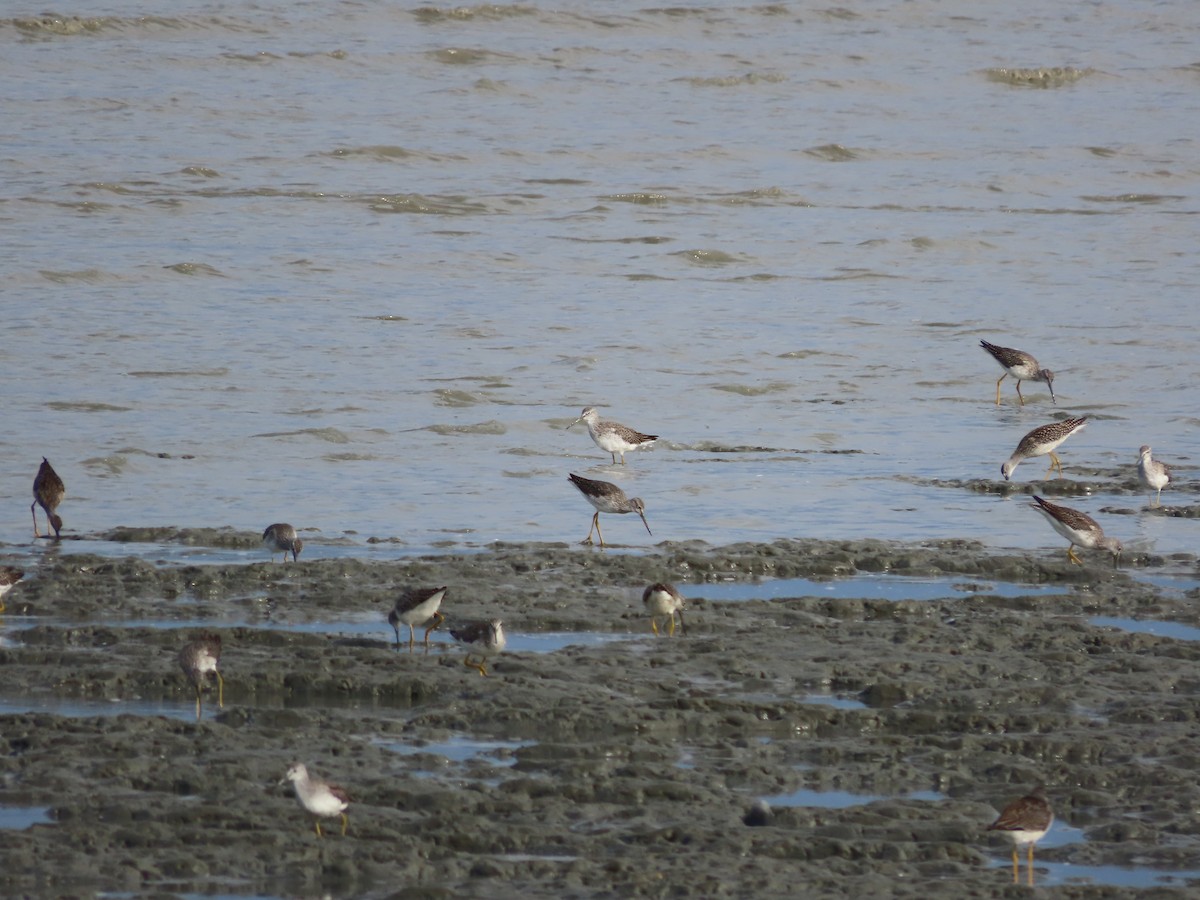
column 647, row 524
column 1051, row 386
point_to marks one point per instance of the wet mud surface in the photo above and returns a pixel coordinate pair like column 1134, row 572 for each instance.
column 597, row 760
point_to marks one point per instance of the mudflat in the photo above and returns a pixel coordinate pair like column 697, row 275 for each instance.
column 596, row 759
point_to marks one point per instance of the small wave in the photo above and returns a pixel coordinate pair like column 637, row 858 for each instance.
column 85, row 406
column 1051, row 77
column 332, row 435
column 492, row 427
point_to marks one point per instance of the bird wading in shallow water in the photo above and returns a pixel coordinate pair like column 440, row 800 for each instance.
column 416, row 607
column 281, row 538
column 607, row 497
column 613, row 437
column 1041, row 441
column 9, row 576
column 320, row 798
column 663, row 601
column 483, row 639
column 48, row 492
column 1025, row 822
column 1078, row 528
column 197, row 659
column 1152, row 474
column 1021, row 366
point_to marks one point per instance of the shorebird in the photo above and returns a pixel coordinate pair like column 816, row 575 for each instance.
column 1021, row 366
column 483, row 639
column 607, row 497
column 1152, row 474
column 1025, row 821
column 9, row 576
column 197, row 659
column 319, row 797
column 1078, row 528
column 48, row 492
column 281, row 538
column 663, row 601
column 613, row 437
column 1041, row 441
column 416, row 607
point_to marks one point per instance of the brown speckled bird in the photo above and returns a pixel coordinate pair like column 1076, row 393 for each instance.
column 48, row 492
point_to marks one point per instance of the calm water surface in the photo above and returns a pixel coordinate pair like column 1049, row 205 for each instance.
column 356, row 266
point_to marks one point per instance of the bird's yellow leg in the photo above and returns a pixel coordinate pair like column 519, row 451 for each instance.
column 345, row 823
column 1054, row 463
column 1071, row 556
column 599, row 533
column 1001, row 378
column 591, row 528
column 1029, row 867
column 317, row 825
column 671, row 627
column 1016, row 866
column 197, row 704
column 220, row 689
column 654, row 626
column 2, row 606
column 1019, row 395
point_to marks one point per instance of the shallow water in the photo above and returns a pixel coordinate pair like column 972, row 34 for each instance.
column 357, row 267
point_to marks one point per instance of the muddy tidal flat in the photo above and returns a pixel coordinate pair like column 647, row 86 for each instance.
column 885, row 700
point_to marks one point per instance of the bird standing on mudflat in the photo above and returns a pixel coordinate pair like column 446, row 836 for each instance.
column 416, row 607
column 281, row 538
column 319, row 797
column 1078, row 528
column 663, row 601
column 613, row 437
column 1041, row 441
column 1021, row 366
column 1025, row 822
column 483, row 639
column 607, row 497
column 48, row 492
column 1152, row 474
column 197, row 659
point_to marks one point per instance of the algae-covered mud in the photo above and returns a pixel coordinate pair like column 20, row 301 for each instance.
column 886, row 700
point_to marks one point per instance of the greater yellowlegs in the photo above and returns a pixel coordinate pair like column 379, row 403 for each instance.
column 483, row 639
column 607, row 497
column 48, row 492
column 281, row 538
column 1025, row 821
column 1078, row 528
column 319, row 797
column 663, row 601
column 1152, row 474
column 1021, row 366
column 9, row 576
column 414, row 608
column 1041, row 441
column 613, row 437
column 197, row 659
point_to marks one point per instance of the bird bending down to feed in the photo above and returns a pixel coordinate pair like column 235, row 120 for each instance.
column 1021, row 366
column 1041, row 441
column 414, row 608
column 613, row 437
column 1025, row 822
column 1152, row 474
column 1078, row 528
column 281, row 538
column 483, row 639
column 197, row 659
column 48, row 492
column 663, row 601
column 607, row 497
column 319, row 797
column 9, row 576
